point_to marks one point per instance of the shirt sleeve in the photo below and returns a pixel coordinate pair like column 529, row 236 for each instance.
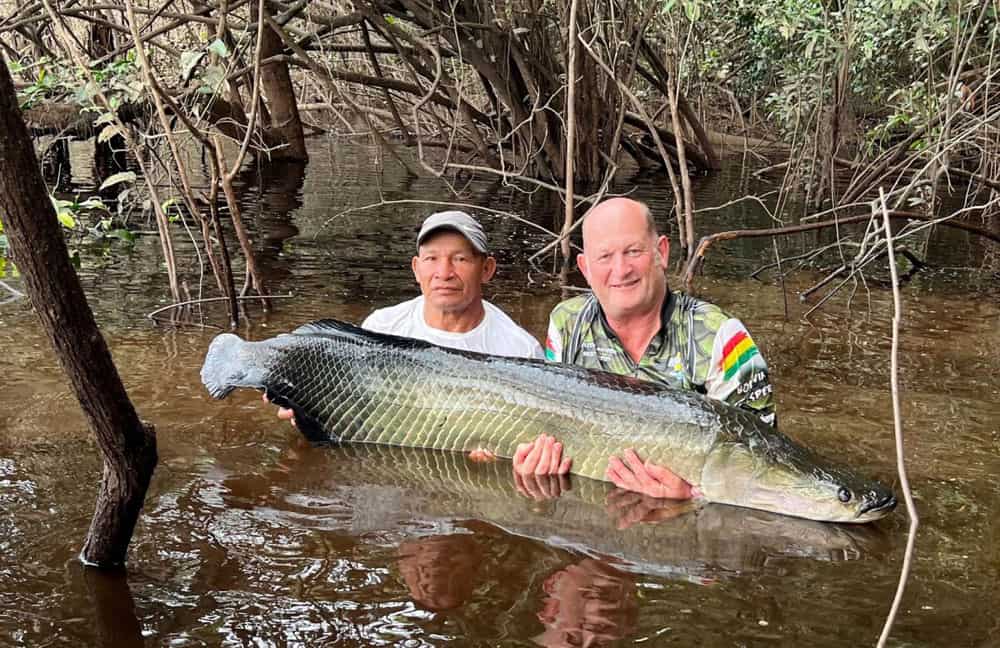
column 738, row 374
column 553, row 342
column 371, row 323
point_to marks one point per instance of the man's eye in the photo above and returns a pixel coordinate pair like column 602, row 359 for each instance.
column 634, row 252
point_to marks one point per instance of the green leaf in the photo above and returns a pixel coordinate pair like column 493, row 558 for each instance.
column 123, row 235
column 66, row 219
column 189, row 61
column 107, row 133
column 212, row 78
column 104, row 118
column 218, row 48
column 692, row 8
column 123, row 176
column 93, row 203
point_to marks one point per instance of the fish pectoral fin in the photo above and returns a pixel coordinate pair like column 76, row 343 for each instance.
column 308, row 425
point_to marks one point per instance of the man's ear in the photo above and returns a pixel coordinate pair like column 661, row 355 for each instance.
column 413, row 267
column 663, row 247
column 581, row 263
column 489, row 268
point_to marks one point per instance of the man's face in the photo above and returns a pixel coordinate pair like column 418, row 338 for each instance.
column 623, row 263
column 451, row 273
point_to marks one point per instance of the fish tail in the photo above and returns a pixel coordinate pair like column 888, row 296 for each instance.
column 224, row 368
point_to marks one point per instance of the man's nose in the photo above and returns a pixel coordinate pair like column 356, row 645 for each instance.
column 444, row 268
column 620, row 265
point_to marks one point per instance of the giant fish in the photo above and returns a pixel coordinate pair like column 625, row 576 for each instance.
column 351, row 385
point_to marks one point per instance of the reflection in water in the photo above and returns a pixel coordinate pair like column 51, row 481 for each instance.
column 588, row 603
column 440, row 570
column 114, row 608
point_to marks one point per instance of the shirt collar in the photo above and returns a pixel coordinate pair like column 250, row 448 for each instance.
column 666, row 312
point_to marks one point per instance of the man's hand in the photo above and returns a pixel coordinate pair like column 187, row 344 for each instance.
column 647, row 478
column 284, row 413
column 543, row 456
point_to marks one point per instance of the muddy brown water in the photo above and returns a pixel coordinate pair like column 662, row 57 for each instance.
column 250, row 536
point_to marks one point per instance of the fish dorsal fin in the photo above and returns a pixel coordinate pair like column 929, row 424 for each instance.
column 326, row 327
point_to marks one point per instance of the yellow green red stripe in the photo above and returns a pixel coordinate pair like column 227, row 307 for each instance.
column 738, row 350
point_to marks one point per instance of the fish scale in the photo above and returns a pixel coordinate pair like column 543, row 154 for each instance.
column 348, row 384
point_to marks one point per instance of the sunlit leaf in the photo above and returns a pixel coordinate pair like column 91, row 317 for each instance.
column 107, row 133
column 104, row 118
column 66, row 219
column 92, row 203
column 123, row 176
column 218, row 48
column 189, row 61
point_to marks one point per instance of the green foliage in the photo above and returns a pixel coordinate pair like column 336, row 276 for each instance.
column 118, row 79
column 787, row 53
column 209, row 77
column 73, row 214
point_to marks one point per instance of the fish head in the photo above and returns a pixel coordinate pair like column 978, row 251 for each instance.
column 785, row 478
column 231, row 363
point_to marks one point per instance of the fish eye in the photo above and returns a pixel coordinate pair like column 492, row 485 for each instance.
column 844, row 495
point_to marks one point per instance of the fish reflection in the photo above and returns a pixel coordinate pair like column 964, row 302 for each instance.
column 373, row 489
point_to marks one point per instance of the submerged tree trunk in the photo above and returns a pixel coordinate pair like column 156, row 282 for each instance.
column 127, row 445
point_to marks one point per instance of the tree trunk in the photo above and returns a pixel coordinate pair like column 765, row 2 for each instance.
column 276, row 85
column 127, row 446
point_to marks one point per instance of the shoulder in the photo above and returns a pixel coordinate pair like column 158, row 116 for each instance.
column 393, row 319
column 706, row 316
column 567, row 310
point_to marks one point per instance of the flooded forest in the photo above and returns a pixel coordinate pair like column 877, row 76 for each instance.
column 826, row 172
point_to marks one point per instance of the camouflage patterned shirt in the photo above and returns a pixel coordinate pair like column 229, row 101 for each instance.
column 698, row 347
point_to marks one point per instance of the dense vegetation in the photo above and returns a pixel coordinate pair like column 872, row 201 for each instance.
column 850, row 96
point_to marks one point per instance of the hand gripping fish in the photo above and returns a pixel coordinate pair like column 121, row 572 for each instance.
column 351, row 385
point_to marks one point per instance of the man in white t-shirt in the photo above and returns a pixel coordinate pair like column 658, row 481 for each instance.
column 452, row 265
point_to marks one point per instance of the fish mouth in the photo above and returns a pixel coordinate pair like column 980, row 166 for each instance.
column 882, row 506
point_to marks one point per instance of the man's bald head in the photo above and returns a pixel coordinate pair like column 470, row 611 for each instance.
column 614, row 211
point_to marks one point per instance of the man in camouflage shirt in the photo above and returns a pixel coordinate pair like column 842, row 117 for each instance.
column 633, row 325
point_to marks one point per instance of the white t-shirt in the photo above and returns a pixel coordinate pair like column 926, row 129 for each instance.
column 496, row 334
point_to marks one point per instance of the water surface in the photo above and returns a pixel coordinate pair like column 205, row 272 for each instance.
column 250, row 536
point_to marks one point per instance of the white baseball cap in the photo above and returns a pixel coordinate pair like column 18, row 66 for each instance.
column 458, row 221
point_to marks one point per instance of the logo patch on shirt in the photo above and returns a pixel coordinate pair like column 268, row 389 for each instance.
column 550, row 352
column 737, row 352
